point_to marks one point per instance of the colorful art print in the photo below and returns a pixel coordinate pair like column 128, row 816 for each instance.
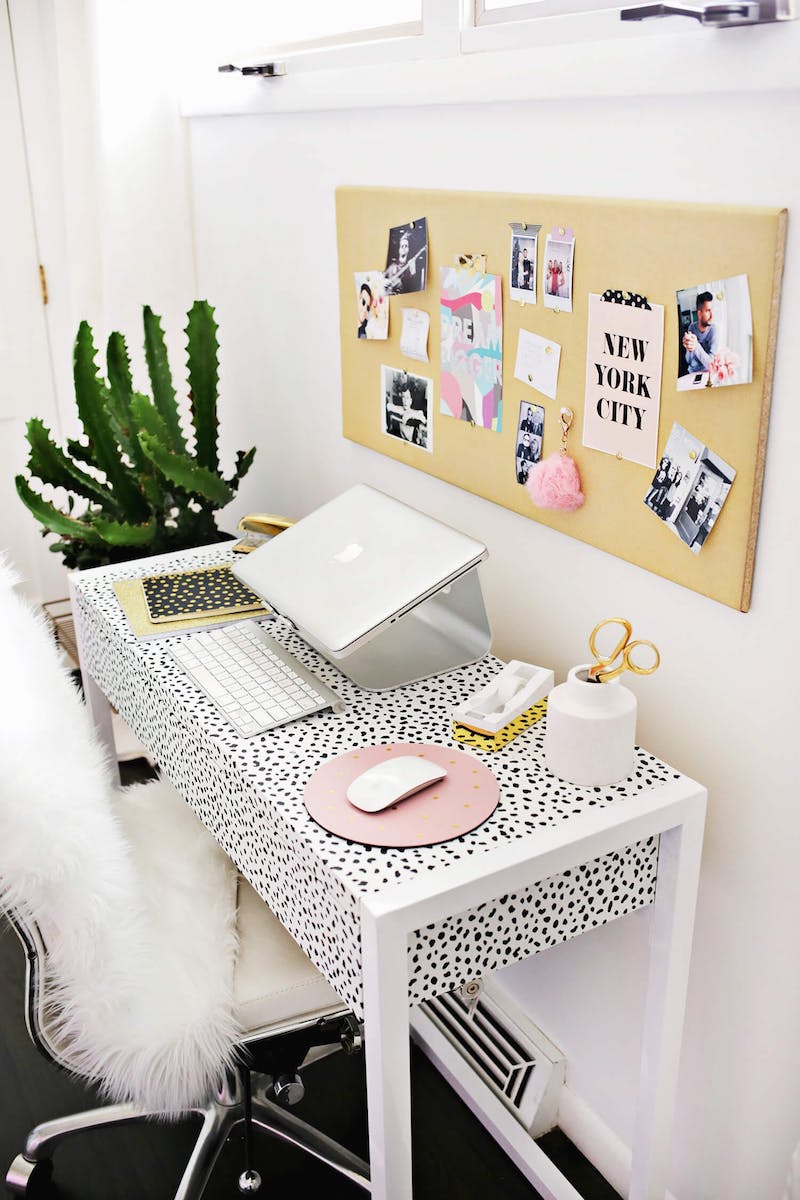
column 407, row 407
column 715, row 334
column 557, row 271
column 372, row 306
column 689, row 487
column 530, row 432
column 472, row 347
column 407, row 258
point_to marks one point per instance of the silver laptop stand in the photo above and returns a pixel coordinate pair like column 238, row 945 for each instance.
column 448, row 630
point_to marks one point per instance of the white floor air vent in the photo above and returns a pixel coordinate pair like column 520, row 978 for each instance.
column 498, row 1043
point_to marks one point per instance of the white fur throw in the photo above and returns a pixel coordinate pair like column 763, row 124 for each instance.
column 136, row 903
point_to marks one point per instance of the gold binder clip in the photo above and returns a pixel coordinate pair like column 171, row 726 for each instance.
column 257, row 528
column 471, row 261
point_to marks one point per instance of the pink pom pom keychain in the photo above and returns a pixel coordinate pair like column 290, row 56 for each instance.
column 555, row 482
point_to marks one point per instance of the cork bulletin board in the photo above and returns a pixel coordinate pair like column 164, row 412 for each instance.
column 652, row 249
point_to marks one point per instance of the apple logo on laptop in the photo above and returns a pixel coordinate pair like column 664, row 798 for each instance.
column 350, row 551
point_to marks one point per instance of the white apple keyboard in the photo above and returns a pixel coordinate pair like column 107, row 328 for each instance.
column 388, row 782
column 254, row 682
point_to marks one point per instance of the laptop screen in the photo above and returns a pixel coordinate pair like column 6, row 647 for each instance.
column 355, row 564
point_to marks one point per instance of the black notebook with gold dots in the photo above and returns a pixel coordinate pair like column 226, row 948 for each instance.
column 205, row 592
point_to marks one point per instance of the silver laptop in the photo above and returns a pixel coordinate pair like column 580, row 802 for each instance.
column 348, row 573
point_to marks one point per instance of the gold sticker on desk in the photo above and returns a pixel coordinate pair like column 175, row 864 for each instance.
column 496, row 741
column 209, row 591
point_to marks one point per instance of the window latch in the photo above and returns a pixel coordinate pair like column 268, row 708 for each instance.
column 268, row 70
column 717, row 16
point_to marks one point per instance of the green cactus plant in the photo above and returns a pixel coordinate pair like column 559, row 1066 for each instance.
column 133, row 488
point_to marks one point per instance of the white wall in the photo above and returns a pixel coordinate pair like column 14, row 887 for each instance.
column 26, row 382
column 723, row 706
column 99, row 194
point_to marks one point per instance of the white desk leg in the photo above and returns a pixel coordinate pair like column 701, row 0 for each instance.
column 387, row 1050
column 96, row 701
column 670, row 952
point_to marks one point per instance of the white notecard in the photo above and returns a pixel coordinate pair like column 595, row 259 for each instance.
column 414, row 335
column 537, row 362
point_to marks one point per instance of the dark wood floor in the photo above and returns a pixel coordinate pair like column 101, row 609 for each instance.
column 454, row 1156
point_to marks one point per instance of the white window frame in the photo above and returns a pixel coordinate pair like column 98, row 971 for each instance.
column 453, row 60
column 478, row 16
column 435, row 37
column 550, row 22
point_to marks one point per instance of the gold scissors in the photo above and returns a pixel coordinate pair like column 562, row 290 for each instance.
column 602, row 669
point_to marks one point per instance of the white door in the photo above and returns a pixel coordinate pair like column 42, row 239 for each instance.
column 26, row 383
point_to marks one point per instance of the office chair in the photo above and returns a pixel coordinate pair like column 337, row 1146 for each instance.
column 152, row 1023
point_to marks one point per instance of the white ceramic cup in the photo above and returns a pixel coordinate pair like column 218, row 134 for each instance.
column 590, row 734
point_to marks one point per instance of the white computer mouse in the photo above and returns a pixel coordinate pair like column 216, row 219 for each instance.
column 396, row 779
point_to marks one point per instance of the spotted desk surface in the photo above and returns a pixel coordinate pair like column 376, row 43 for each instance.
column 249, row 793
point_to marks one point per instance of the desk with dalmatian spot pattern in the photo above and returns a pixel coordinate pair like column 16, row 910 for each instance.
column 390, row 928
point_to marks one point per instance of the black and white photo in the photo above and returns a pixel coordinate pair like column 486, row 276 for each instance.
column 407, row 258
column 407, row 407
column 522, row 266
column 530, row 431
column 689, row 488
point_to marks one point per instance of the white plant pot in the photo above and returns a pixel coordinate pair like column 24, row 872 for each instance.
column 590, row 734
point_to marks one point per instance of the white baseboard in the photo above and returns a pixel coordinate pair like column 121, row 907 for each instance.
column 603, row 1148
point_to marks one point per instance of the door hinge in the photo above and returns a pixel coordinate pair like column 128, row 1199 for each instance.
column 43, row 282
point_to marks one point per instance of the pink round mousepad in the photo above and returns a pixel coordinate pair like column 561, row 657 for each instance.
column 464, row 799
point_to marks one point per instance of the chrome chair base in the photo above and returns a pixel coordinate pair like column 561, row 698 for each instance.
column 220, row 1117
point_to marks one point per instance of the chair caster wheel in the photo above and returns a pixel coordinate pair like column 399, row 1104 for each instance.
column 249, row 1181
column 27, row 1178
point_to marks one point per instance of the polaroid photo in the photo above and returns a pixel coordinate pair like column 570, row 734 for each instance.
column 715, row 334
column 689, row 487
column 407, row 258
column 373, row 306
column 522, row 266
column 557, row 263
column 530, row 432
column 407, row 407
